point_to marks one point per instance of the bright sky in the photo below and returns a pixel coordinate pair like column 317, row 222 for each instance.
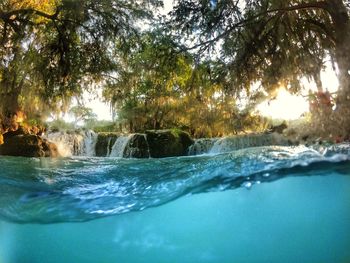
column 102, row 110
column 168, row 5
column 291, row 107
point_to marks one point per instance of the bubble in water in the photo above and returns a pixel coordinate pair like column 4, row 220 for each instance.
column 248, row 185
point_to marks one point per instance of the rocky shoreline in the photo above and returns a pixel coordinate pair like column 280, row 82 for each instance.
column 151, row 144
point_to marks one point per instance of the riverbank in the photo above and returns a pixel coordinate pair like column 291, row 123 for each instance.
column 34, row 142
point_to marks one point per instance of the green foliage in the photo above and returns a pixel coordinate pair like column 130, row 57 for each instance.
column 188, row 72
column 52, row 49
column 274, row 43
column 266, row 41
column 164, row 87
column 60, row 125
column 101, row 126
column 176, row 132
column 33, row 123
column 82, row 113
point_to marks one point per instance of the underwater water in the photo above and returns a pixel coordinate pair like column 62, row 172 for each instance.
column 264, row 204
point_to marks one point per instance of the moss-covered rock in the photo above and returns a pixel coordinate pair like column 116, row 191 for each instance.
column 137, row 147
column 104, row 144
column 167, row 143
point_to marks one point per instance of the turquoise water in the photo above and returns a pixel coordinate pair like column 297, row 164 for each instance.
column 268, row 204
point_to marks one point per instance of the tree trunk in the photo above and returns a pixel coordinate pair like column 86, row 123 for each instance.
column 10, row 112
column 10, row 90
column 317, row 79
column 341, row 25
column 131, row 126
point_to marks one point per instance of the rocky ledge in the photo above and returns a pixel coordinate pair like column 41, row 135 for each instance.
column 152, row 143
column 167, row 143
column 23, row 143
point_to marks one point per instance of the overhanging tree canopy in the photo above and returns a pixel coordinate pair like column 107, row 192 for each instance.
column 262, row 35
column 53, row 47
column 273, row 42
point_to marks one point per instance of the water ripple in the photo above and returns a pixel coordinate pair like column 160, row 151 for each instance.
column 80, row 189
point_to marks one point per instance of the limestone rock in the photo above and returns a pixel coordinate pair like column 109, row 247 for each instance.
column 137, row 147
column 104, row 144
column 167, row 143
column 28, row 146
column 21, row 143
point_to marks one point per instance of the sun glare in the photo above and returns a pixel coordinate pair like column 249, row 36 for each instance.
column 290, row 107
column 285, row 106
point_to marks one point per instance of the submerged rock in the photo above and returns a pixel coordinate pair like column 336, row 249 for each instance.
column 167, row 143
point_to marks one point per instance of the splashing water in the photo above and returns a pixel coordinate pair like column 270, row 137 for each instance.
column 265, row 204
column 119, row 146
column 75, row 143
column 81, row 189
column 90, row 141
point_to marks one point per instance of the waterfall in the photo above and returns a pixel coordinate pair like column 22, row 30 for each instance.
column 74, row 143
column 109, row 149
column 228, row 144
column 68, row 144
column 104, row 143
column 137, row 147
column 201, row 146
column 119, row 146
column 90, row 141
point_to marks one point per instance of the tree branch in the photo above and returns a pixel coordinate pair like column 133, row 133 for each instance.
column 27, row 11
column 312, row 5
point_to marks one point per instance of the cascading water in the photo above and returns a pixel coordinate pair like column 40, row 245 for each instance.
column 119, row 146
column 68, row 144
column 228, row 144
column 201, row 146
column 90, row 141
column 109, row 146
column 135, row 145
column 75, row 143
